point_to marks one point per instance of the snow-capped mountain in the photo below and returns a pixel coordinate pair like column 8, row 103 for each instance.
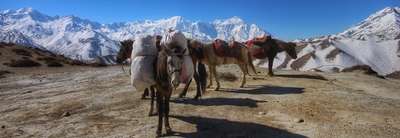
column 374, row 42
column 87, row 40
column 232, row 28
column 14, row 36
column 383, row 25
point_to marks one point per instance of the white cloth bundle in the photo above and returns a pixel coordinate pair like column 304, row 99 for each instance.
column 144, row 53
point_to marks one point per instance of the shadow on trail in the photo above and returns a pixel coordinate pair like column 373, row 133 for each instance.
column 302, row 76
column 266, row 89
column 221, row 128
column 221, row 102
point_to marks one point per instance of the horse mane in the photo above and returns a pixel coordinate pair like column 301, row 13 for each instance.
column 161, row 69
column 286, row 46
column 262, row 39
column 198, row 50
column 125, row 50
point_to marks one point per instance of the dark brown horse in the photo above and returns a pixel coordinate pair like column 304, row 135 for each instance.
column 169, row 63
column 269, row 48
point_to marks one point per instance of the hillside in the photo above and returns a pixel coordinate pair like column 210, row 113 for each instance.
column 14, row 56
column 374, row 42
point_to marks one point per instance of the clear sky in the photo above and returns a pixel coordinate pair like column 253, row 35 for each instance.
column 287, row 19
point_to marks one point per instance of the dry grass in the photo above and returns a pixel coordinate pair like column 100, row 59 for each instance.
column 227, row 76
column 4, row 72
column 22, row 52
column 23, row 63
column 394, row 75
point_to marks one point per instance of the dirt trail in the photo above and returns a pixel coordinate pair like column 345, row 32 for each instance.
column 98, row 102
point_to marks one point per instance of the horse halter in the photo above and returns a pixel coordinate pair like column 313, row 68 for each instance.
column 179, row 55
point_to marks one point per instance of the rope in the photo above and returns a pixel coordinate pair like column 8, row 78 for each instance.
column 123, row 70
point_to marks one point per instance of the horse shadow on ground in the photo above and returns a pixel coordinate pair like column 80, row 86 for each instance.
column 221, row 102
column 266, row 89
column 302, row 76
column 221, row 128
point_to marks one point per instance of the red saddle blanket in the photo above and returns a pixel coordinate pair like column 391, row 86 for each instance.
column 223, row 49
column 255, row 50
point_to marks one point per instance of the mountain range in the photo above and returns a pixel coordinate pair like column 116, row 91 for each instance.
column 374, row 42
column 86, row 40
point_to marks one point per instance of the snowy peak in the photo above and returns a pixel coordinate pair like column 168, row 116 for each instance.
column 25, row 13
column 16, row 37
column 383, row 25
column 233, row 20
column 235, row 28
column 83, row 39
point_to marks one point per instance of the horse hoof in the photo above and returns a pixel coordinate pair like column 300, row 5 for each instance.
column 241, row 86
column 158, row 132
column 168, row 131
column 216, row 89
column 270, row 74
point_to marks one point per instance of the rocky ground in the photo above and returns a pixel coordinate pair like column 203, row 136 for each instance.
column 78, row 101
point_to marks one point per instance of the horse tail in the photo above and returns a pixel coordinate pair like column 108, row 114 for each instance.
column 250, row 60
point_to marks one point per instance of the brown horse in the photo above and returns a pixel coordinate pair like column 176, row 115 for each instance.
column 270, row 48
column 200, row 74
column 241, row 57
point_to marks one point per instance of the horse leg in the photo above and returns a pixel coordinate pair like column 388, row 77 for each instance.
column 166, row 112
column 184, row 91
column 160, row 112
column 211, row 76
column 198, row 85
column 244, row 70
column 153, row 95
column 202, row 73
column 216, row 77
column 270, row 65
column 145, row 93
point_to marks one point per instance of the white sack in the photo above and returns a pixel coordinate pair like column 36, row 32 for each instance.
column 144, row 53
column 175, row 38
column 144, row 46
column 187, row 70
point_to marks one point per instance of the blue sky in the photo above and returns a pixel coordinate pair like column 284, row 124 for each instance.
column 287, row 19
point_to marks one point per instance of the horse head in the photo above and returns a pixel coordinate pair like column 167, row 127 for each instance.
column 291, row 50
column 174, row 47
column 124, row 51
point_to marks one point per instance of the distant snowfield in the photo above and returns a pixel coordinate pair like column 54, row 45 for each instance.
column 380, row 56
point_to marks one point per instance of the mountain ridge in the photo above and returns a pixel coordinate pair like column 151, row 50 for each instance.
column 84, row 39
